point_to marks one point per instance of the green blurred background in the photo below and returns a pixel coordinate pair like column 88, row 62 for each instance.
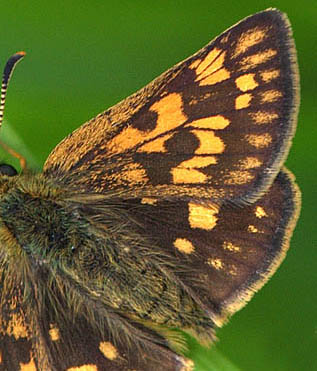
column 85, row 55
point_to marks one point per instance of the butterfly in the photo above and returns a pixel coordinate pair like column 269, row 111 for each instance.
column 167, row 211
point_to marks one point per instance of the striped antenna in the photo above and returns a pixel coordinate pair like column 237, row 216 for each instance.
column 7, row 72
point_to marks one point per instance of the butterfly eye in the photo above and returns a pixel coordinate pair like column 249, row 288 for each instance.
column 7, row 170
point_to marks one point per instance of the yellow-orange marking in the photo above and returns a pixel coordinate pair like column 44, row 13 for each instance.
column 185, row 172
column 198, row 162
column 248, row 39
column 243, row 101
column 225, row 39
column 148, row 201
column 170, row 116
column 260, row 212
column 215, row 77
column 209, row 142
column 212, row 122
column 231, row 247
column 209, row 71
column 88, row 367
column 184, row 246
column 183, row 175
column 28, row 366
column 250, row 163
column 201, row 216
column 269, row 75
column 108, row 350
column 16, row 327
column 54, row 333
column 210, row 58
column 195, row 64
column 263, row 117
column 0, row 357
column 233, row 270
column 252, row 229
column 270, row 96
column 170, row 113
column 239, row 177
column 246, row 82
column 216, row 263
column 259, row 140
column 156, row 145
column 133, row 173
column 256, row 59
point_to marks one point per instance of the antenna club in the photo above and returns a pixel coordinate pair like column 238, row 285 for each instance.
column 22, row 53
column 7, row 72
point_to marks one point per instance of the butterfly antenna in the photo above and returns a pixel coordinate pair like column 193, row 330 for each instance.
column 7, row 73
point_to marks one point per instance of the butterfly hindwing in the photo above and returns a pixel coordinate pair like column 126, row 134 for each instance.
column 216, row 126
column 32, row 339
column 229, row 252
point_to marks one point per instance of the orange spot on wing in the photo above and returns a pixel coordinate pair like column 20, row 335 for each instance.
column 259, row 140
column 209, row 142
column 210, row 58
column 133, row 174
column 215, row 77
column 260, row 212
column 30, row 366
column 198, row 162
column 250, row 163
column 195, row 64
column 54, row 333
column 88, row 367
column 126, row 139
column 263, row 117
column 184, row 245
column 186, row 171
column 248, row 39
column 170, row 113
column 270, row 96
column 170, row 116
column 231, row 247
column 108, row 350
column 16, row 327
column 183, row 175
column 201, row 216
column 148, row 201
column 209, row 71
column 239, row 177
column 243, row 101
column 216, row 263
column 256, row 59
column 156, row 145
column 211, row 122
column 269, row 75
column 252, row 229
column 246, row 82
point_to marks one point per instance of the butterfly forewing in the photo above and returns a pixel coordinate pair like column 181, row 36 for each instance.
column 216, row 126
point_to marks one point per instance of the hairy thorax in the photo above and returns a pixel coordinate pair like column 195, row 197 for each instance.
column 79, row 250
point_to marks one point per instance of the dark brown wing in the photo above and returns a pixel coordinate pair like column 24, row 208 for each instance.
column 230, row 252
column 29, row 340
column 217, row 126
